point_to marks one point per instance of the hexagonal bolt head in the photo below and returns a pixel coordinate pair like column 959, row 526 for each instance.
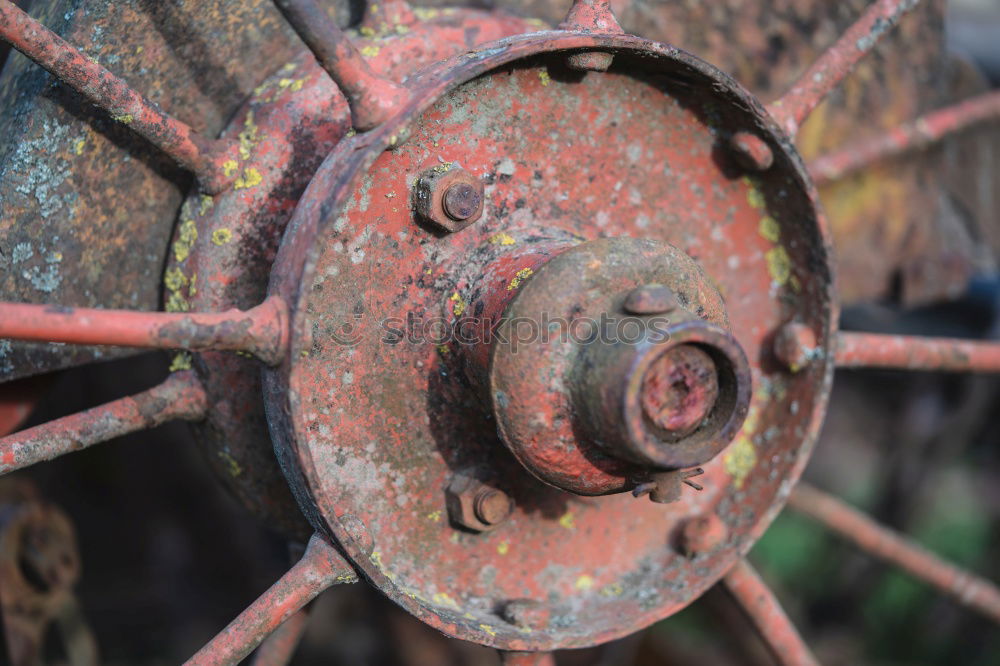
column 475, row 505
column 751, row 151
column 702, row 535
column 449, row 197
column 651, row 299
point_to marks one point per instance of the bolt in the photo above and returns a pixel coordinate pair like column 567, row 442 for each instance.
column 679, row 389
column 461, row 201
column 526, row 613
column 651, row 299
column 475, row 505
column 702, row 535
column 795, row 346
column 592, row 61
column 449, row 197
column 751, row 151
column 492, row 506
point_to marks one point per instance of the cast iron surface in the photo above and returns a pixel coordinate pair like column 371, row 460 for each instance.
column 371, row 432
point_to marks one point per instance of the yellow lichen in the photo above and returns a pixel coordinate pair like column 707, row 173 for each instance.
column 567, row 520
column 518, row 278
column 544, row 77
column 779, row 264
column 186, row 237
column 740, row 459
column 369, row 51
column 250, row 178
column 488, row 629
column 612, row 590
column 79, row 145
column 502, row 238
column 229, row 168
column 248, row 136
column 222, row 236
column 366, row 31
column 174, row 279
column 503, row 547
column 459, row 304
column 177, row 303
column 769, row 229
column 435, row 516
column 206, row 204
column 584, row 582
column 234, row 467
column 755, row 198
column 425, row 14
column 181, row 361
column 125, row 118
column 442, row 599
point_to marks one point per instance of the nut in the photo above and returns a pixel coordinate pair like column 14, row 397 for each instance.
column 526, row 613
column 651, row 299
column 474, row 505
column 795, row 346
column 449, row 197
column 752, row 152
column 702, row 534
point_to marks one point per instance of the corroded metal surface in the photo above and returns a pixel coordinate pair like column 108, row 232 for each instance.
column 908, row 352
column 371, row 422
column 223, row 247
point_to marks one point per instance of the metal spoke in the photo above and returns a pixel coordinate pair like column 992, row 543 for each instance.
column 372, row 98
column 261, row 331
column 527, row 658
column 203, row 156
column 181, row 396
column 910, row 137
column 278, row 648
column 770, row 620
column 320, row 568
column 837, row 62
column 908, row 352
column 886, row 544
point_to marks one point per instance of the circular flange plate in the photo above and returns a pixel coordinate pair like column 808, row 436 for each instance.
column 370, row 419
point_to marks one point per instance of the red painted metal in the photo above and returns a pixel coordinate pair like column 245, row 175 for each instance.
column 279, row 648
column 911, row 137
column 195, row 152
column 767, row 615
column 374, row 429
column 837, row 62
column 261, row 331
column 321, row 567
column 910, row 352
column 966, row 588
column 372, row 98
column 291, row 121
column 179, row 397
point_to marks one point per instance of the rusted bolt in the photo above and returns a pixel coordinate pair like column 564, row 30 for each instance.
column 795, row 346
column 449, row 197
column 680, row 389
column 526, row 613
column 475, row 505
column 461, row 201
column 651, row 299
column 702, row 535
column 492, row 506
column 751, row 151
column 593, row 61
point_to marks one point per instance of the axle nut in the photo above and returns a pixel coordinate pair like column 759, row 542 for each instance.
column 475, row 505
column 449, row 197
column 702, row 534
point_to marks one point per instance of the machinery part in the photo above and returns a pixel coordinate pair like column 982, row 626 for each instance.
column 449, row 197
column 338, row 401
column 39, row 566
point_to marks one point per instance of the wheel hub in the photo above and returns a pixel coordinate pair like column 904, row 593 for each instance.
column 397, row 435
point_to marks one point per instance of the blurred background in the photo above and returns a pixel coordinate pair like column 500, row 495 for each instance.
column 168, row 558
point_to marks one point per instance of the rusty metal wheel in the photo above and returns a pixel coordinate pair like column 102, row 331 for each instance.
column 495, row 287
